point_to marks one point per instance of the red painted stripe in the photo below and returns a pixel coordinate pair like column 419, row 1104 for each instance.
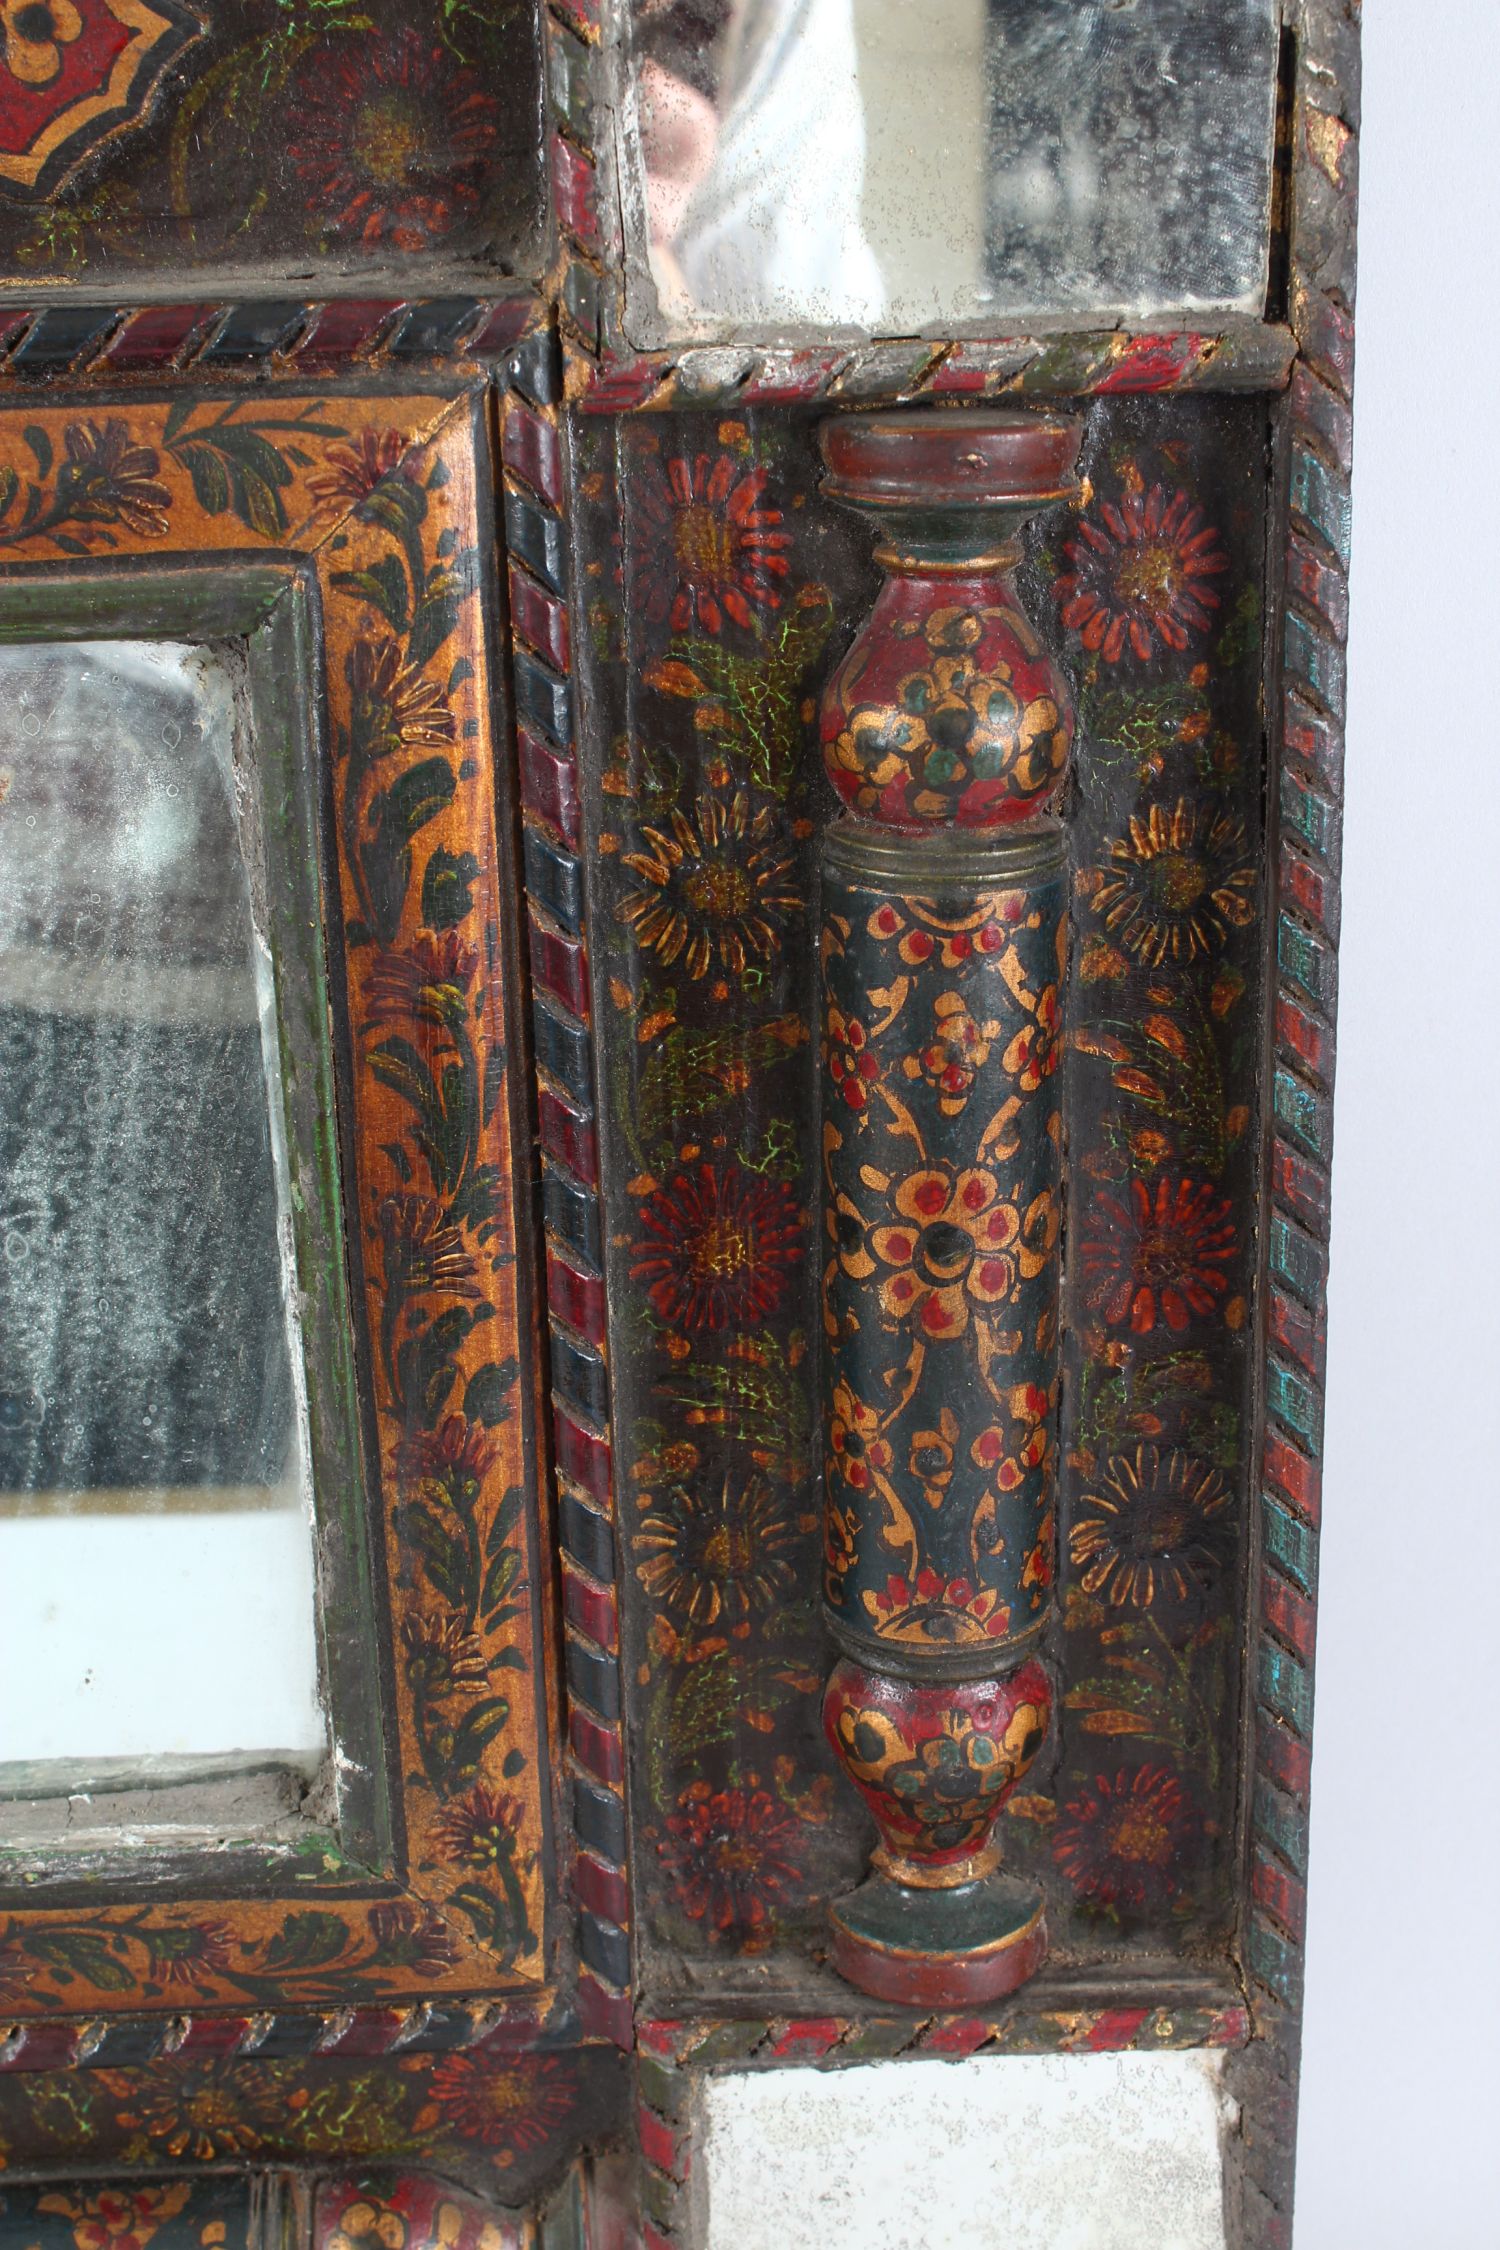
column 597, row 1747
column 659, row 2144
column 1115, row 2028
column 1315, row 739
column 590, row 1606
column 214, row 2035
column 1276, row 1889
column 1153, row 363
column 621, row 388
column 568, row 1136
column 560, row 966
column 1313, row 577
column 807, row 2041
column 42, row 2046
column 155, row 336
column 539, row 618
column 577, row 1298
column 374, row 2031
column 959, row 2037
column 582, row 1455
column 602, row 1889
column 1288, row 1614
column 660, row 2038
column 341, row 331
column 1283, row 1758
column 549, row 786
column 1321, row 409
column 1305, row 887
column 603, row 2012
column 1303, row 1037
column 1302, row 1186
column 505, row 324
column 1295, row 1477
column 573, row 191
column 530, row 450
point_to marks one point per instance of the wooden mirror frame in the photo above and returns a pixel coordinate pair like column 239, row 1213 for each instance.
column 345, row 536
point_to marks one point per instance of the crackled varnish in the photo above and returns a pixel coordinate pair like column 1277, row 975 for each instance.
column 946, row 731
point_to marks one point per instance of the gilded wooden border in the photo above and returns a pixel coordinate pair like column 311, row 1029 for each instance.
column 381, row 504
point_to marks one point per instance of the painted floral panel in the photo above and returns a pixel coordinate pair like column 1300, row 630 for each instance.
column 389, row 496
column 720, row 590
column 260, row 135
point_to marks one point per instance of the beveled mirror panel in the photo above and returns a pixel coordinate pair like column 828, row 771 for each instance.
column 876, row 167
column 156, row 1550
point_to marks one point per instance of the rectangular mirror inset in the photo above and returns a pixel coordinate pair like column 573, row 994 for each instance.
column 157, row 1597
column 798, row 167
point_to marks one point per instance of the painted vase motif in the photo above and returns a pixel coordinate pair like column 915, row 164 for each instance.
column 943, row 945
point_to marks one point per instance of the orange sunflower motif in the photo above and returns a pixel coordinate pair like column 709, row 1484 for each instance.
column 1139, row 575
column 711, row 550
column 1152, row 1529
column 950, row 1251
column 1177, row 883
column 716, row 887
column 953, row 1611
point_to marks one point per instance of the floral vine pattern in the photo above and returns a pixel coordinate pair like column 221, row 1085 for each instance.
column 383, row 491
column 497, row 2125
column 345, row 131
column 708, row 795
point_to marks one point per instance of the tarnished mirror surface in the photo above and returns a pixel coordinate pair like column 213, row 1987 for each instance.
column 156, row 1551
column 884, row 167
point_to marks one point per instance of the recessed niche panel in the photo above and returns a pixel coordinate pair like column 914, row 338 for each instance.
column 877, row 167
column 157, row 1602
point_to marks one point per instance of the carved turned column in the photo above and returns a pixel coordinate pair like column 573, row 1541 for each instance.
column 945, row 730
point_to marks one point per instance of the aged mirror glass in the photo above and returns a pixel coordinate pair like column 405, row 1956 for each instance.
column 889, row 167
column 156, row 1551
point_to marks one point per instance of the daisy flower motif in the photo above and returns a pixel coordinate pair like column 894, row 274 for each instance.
column 950, row 1251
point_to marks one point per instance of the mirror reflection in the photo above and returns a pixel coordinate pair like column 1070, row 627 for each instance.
column 880, row 166
column 156, row 1559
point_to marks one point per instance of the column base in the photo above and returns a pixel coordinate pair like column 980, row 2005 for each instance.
column 939, row 1948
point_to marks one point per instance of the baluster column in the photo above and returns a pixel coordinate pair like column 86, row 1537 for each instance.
column 946, row 731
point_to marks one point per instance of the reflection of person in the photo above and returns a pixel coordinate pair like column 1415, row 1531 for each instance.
column 752, row 129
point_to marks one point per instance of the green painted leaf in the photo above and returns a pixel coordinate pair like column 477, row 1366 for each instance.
column 383, row 584
column 447, row 887
column 41, row 445
column 73, row 1953
column 440, row 1543
column 306, row 1941
column 479, row 1725
column 396, row 814
column 488, row 1393
column 499, row 1578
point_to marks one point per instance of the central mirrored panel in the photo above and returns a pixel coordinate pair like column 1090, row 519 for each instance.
column 157, row 1585
column 890, row 167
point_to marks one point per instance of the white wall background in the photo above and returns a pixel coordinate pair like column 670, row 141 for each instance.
column 1401, row 2083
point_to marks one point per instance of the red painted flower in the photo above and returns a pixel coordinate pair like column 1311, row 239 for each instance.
column 392, row 139
column 117, row 2218
column 457, row 1457
column 185, row 1953
column 716, row 1247
column 504, row 2106
column 428, row 981
column 394, row 707
column 851, row 1065
column 711, row 550
column 412, row 1937
column 1158, row 1257
column 352, row 472
column 731, row 1856
column 1123, row 1841
column 1139, row 575
column 106, row 477
column 480, row 1829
